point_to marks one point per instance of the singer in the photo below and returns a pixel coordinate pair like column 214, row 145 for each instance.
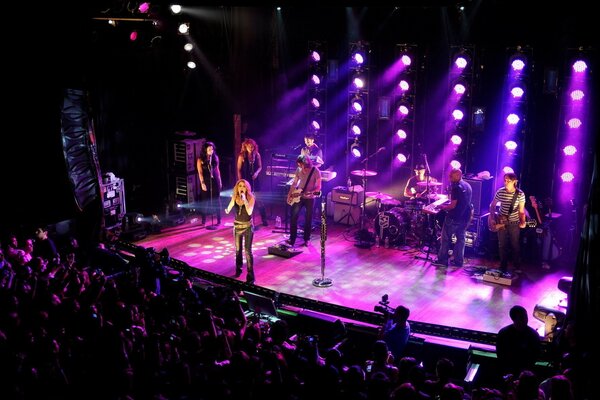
column 210, row 182
column 242, row 200
column 312, row 150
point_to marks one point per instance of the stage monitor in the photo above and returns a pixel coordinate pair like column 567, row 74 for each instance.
column 261, row 306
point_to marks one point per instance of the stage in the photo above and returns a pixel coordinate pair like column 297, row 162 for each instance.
column 361, row 275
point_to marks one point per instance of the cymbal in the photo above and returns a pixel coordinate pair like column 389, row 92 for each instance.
column 430, row 184
column 363, row 172
column 378, row 195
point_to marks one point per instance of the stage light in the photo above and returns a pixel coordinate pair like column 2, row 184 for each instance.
column 401, row 157
column 191, row 65
column 574, row 123
column 175, row 8
column 144, row 7
column 403, row 85
column 455, row 164
column 518, row 64
column 577, row 95
column 517, row 92
column 461, row 62
column 315, row 56
column 188, row 47
column 358, row 83
column 458, row 115
column 184, row 28
column 510, row 145
column 358, row 58
column 315, row 125
column 357, row 105
column 508, row 170
column 401, row 133
column 456, row 140
column 315, row 79
column 579, row 66
column 459, row 89
column 355, row 149
column 406, row 60
column 567, row 177
column 570, row 150
column 356, row 128
column 133, row 36
column 512, row 119
column 315, row 103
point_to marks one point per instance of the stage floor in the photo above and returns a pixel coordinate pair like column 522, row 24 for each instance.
column 453, row 297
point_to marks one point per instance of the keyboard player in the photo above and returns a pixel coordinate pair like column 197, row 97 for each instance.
column 459, row 213
column 311, row 150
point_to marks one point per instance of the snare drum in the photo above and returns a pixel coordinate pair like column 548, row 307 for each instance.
column 393, row 224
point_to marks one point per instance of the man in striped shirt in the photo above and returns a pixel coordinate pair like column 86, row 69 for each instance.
column 512, row 215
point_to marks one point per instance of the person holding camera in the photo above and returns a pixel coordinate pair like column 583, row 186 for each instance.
column 396, row 331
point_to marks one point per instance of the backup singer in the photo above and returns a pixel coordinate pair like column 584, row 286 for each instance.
column 249, row 166
column 210, row 182
column 242, row 201
column 311, row 150
column 305, row 188
column 512, row 216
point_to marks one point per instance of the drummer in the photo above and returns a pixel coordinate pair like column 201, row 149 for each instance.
column 413, row 190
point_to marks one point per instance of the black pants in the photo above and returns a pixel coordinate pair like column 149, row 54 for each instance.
column 309, row 205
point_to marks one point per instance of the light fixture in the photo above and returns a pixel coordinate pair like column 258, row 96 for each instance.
column 355, row 149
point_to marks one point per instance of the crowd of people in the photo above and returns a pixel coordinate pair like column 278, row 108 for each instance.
column 69, row 329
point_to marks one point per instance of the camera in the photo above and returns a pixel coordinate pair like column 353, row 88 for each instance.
column 384, row 306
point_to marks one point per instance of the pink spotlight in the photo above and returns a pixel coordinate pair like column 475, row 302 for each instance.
column 570, row 150
column 456, row 140
column 144, row 7
column 356, row 130
column 358, row 83
column 406, row 60
column 577, row 95
column 315, row 102
column 455, row 164
column 517, row 64
column 567, row 177
column 458, row 115
column 358, row 58
column 579, row 66
column 315, row 56
column 315, row 79
column 459, row 88
column 461, row 62
column 401, row 133
column 357, row 106
column 401, row 157
column 574, row 123
column 510, row 145
column 133, row 36
column 403, row 110
column 508, row 170
column 403, row 85
column 512, row 119
column 517, row 92
column 315, row 124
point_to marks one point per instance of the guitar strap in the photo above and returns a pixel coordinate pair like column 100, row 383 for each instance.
column 308, row 179
column 512, row 204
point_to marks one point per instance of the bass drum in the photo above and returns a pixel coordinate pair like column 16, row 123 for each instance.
column 392, row 224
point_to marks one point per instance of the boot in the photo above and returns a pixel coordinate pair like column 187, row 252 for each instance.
column 238, row 271
column 250, row 269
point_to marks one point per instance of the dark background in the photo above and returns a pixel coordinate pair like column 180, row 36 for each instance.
column 140, row 93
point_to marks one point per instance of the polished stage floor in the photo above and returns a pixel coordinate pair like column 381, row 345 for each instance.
column 360, row 276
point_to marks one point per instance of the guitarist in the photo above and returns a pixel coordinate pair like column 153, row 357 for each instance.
column 510, row 220
column 305, row 188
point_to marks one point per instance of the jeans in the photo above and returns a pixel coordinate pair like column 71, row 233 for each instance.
column 508, row 239
column 309, row 204
column 457, row 228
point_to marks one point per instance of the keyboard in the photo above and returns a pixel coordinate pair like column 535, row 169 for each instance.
column 285, row 172
column 433, row 207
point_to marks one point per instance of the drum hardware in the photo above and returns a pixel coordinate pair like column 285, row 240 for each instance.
column 392, row 224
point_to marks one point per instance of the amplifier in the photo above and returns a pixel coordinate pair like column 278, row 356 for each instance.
column 185, row 154
column 482, row 194
column 343, row 195
column 186, row 188
column 346, row 214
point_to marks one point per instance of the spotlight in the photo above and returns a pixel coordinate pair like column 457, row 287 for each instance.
column 355, row 149
column 184, row 28
column 510, row 145
column 513, row 119
column 175, row 8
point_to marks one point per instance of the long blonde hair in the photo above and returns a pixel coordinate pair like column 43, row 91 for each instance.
column 236, row 193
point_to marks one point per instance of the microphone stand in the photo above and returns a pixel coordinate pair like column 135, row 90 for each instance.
column 429, row 230
column 365, row 239
column 323, row 281
column 212, row 226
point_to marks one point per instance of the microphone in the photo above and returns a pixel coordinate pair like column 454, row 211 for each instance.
column 382, row 148
column 297, row 147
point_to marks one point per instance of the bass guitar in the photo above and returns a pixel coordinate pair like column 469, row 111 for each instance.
column 294, row 197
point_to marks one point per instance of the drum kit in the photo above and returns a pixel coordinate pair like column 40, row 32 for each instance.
column 395, row 219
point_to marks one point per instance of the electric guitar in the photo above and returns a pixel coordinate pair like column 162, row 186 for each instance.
column 497, row 222
column 294, row 197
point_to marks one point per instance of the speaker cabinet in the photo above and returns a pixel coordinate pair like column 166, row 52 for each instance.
column 343, row 195
column 186, row 188
column 185, row 153
column 346, row 214
column 482, row 194
column 113, row 202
